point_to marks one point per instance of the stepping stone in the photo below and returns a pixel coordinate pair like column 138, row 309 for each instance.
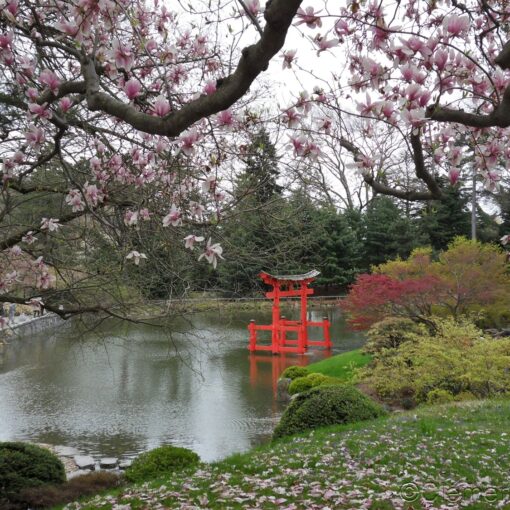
column 84, row 462
column 108, row 463
column 125, row 464
column 80, row 472
column 66, row 451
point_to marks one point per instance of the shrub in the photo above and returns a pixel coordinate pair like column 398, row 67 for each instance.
column 390, row 333
column 326, row 405
column 161, row 461
column 48, row 496
column 25, row 465
column 293, row 372
column 317, row 379
column 439, row 396
column 456, row 359
column 300, row 385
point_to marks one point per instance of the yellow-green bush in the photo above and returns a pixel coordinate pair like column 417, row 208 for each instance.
column 313, row 380
column 457, row 359
column 390, row 333
column 294, row 371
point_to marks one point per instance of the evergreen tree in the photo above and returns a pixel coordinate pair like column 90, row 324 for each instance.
column 388, row 232
column 443, row 220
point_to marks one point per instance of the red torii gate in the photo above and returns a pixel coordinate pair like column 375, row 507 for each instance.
column 289, row 286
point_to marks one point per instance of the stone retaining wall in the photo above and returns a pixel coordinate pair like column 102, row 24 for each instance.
column 32, row 326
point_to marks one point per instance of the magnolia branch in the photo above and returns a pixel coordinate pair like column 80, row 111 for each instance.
column 254, row 60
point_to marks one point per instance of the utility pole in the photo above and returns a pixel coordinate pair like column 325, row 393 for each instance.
column 473, row 207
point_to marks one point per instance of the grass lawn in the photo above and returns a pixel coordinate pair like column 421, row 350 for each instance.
column 442, row 457
column 341, row 365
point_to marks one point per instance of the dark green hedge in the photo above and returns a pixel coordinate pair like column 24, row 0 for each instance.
column 25, row 465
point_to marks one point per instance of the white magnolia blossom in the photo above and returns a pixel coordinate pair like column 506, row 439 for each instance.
column 211, row 253
column 189, row 241
column 50, row 224
column 136, row 256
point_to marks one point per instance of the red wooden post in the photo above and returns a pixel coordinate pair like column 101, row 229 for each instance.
column 253, row 336
column 327, row 337
column 275, row 337
column 303, row 332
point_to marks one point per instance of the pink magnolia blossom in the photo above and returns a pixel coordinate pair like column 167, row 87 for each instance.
column 174, row 217
column 324, row 44
column 456, row 25
column 189, row 241
column 15, row 251
column 50, row 224
column 123, row 55
column 50, row 80
column 130, row 218
column 136, row 256
column 93, row 194
column 210, row 87
column 32, row 94
column 453, row 175
column 29, row 238
column 298, row 143
column 188, row 140
column 68, row 28
column 161, row 106
column 289, row 57
column 253, row 7
column 75, row 200
column 196, row 209
column 225, row 119
column 209, row 184
column 45, row 280
column 35, row 137
column 505, row 239
column 291, row 117
column 309, row 17
column 132, row 89
column 211, row 253
column 65, row 104
column 39, row 111
column 491, row 180
column 6, row 40
column 145, row 214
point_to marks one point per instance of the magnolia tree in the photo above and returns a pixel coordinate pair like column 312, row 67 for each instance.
column 119, row 107
column 124, row 114
column 435, row 73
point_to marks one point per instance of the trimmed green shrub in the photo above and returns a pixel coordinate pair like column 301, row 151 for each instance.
column 25, row 465
column 300, row 385
column 390, row 333
column 439, row 396
column 317, row 379
column 161, row 461
column 293, row 372
column 326, row 405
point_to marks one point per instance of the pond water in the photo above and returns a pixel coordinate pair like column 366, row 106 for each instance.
column 125, row 388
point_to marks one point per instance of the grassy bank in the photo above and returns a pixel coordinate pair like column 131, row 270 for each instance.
column 457, row 456
column 342, row 365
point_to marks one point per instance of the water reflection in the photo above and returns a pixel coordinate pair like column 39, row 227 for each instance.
column 126, row 388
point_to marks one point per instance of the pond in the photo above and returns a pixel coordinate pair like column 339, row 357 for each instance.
column 125, row 388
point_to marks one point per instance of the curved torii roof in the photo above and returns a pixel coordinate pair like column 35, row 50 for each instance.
column 311, row 275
